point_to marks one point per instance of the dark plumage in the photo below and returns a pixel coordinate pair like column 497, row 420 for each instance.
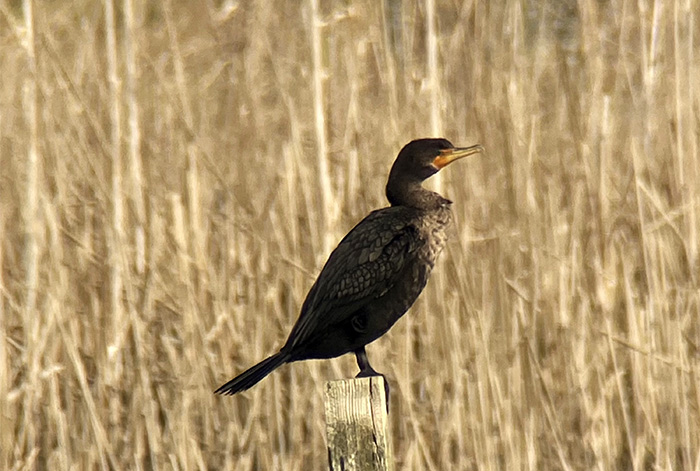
column 376, row 272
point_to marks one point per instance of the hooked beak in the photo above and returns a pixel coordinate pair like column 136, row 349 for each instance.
column 447, row 156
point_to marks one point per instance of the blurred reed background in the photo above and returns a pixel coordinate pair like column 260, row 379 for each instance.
column 173, row 175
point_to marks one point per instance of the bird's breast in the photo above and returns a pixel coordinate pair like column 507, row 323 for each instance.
column 434, row 229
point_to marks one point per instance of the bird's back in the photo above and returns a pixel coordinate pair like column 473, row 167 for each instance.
column 370, row 280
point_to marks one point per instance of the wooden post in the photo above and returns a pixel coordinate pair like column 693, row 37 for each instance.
column 356, row 425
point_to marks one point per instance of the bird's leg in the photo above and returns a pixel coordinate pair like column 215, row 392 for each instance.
column 366, row 371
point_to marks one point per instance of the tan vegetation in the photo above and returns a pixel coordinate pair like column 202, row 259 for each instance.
column 174, row 174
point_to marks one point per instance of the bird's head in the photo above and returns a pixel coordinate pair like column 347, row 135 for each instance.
column 417, row 161
column 423, row 158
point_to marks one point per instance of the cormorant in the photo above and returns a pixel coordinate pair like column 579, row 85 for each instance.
column 376, row 272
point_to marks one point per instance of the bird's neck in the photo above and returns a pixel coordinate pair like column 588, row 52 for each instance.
column 412, row 194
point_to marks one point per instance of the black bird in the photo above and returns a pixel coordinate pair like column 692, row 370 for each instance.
column 376, row 272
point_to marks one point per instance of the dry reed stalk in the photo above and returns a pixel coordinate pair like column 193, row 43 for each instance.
column 685, row 95
column 6, row 435
column 148, row 443
column 31, row 208
column 433, row 70
column 326, row 193
column 391, row 16
column 138, row 189
column 192, row 169
column 115, row 232
column 31, row 316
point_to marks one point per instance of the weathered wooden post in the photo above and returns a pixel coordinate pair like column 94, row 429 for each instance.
column 357, row 426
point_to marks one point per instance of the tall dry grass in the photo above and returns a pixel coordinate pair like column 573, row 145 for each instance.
column 173, row 175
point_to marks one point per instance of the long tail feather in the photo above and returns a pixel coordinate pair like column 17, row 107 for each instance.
column 253, row 375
